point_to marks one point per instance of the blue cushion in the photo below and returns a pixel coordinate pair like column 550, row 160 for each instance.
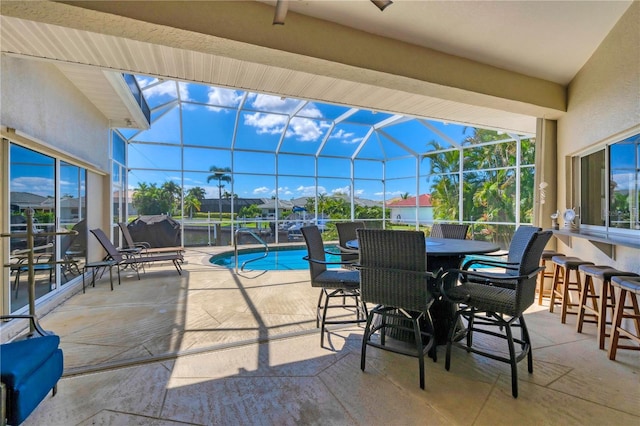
column 34, row 388
column 20, row 359
column 30, row 369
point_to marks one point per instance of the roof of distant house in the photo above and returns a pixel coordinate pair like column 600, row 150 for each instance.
column 424, row 200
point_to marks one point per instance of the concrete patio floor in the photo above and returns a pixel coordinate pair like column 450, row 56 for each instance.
column 212, row 347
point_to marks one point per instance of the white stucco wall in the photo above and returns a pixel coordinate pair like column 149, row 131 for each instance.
column 37, row 99
column 408, row 214
column 603, row 102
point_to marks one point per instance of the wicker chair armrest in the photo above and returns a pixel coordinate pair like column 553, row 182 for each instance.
column 490, row 262
column 35, row 325
column 324, row 262
column 506, row 281
column 425, row 274
column 347, row 250
column 478, row 276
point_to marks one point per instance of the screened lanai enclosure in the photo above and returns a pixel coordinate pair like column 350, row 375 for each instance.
column 219, row 159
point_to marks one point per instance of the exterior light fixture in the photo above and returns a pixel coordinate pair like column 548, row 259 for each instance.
column 381, row 4
column 281, row 12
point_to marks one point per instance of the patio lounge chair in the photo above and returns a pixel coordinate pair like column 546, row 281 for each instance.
column 134, row 260
column 143, row 246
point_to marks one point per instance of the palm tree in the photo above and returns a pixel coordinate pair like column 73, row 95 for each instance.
column 198, row 192
column 191, row 203
column 173, row 193
column 220, row 174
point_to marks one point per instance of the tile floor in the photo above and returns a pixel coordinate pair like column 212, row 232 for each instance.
column 211, row 347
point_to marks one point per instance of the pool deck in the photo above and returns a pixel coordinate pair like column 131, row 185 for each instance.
column 213, row 347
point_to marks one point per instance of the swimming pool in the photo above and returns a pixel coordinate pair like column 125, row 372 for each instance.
column 278, row 259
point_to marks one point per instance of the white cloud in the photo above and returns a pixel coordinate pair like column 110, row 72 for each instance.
column 345, row 137
column 166, row 88
column 282, row 191
column 389, row 194
column 183, row 88
column 261, row 190
column 310, row 191
column 266, row 123
column 343, row 190
column 223, row 97
column 305, row 130
column 34, row 185
column 274, row 104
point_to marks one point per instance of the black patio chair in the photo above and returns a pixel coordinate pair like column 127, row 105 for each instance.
column 394, row 276
column 333, row 283
column 133, row 259
column 143, row 246
column 347, row 232
column 498, row 300
column 502, row 263
column 449, row 230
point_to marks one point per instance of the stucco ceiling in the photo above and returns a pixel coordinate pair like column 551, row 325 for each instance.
column 547, row 40
column 551, row 40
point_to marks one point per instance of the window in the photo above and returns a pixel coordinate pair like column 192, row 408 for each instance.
column 55, row 191
column 624, row 183
column 610, row 185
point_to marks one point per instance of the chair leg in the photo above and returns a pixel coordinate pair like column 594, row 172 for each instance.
column 111, row 276
column 419, row 349
column 365, row 339
column 452, row 331
column 526, row 339
column 513, row 361
column 470, row 330
column 324, row 317
column 319, row 307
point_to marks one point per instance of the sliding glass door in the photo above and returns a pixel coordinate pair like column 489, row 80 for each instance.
column 52, row 193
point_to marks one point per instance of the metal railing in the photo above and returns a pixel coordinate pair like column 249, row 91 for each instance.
column 254, row 235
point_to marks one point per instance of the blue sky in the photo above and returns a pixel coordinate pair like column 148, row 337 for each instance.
column 208, row 120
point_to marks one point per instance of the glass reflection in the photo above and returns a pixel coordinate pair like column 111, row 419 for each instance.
column 31, row 186
column 624, row 183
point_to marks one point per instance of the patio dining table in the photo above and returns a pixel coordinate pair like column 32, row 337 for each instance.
column 447, row 254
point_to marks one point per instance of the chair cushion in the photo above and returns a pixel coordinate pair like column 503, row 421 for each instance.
column 338, row 278
column 548, row 254
column 486, row 297
column 631, row 284
column 18, row 360
column 570, row 261
column 604, row 272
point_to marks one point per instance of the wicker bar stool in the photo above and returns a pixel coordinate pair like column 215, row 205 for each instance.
column 625, row 286
column 563, row 286
column 547, row 255
column 601, row 300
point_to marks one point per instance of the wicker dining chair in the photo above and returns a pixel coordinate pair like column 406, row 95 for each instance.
column 449, row 230
column 504, row 264
column 393, row 275
column 347, row 232
column 333, row 283
column 498, row 300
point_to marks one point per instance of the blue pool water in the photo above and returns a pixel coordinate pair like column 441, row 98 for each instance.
column 278, row 259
